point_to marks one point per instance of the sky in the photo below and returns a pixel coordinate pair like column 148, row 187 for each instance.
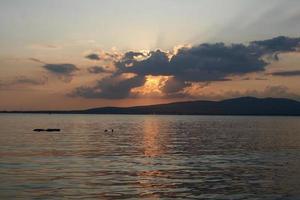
column 75, row 54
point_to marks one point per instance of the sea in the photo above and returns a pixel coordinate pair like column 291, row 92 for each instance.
column 149, row 157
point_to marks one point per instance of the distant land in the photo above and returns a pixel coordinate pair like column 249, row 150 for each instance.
column 236, row 106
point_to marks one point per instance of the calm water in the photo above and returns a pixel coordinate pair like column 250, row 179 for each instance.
column 149, row 157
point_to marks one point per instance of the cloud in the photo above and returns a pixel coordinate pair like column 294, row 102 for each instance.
column 206, row 62
column 29, row 81
column 110, row 88
column 287, row 73
column 61, row 69
column 276, row 45
column 98, row 70
column 130, row 55
column 215, row 62
column 209, row 62
column 156, row 64
column 58, row 69
column 198, row 64
column 277, row 91
column 102, row 55
column 36, row 60
column 22, row 81
column 64, row 72
column 254, row 78
column 173, row 85
column 93, row 56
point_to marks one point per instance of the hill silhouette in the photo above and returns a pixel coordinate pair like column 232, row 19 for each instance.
column 236, row 106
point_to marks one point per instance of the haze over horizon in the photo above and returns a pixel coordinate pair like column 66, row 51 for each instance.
column 72, row 54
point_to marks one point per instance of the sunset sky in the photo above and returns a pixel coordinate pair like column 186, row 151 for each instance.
column 75, row 54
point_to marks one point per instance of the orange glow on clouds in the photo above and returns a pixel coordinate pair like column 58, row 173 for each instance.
column 152, row 87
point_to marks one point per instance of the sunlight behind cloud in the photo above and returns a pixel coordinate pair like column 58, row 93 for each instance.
column 152, row 87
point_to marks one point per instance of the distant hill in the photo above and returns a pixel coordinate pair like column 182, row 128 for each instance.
column 237, row 106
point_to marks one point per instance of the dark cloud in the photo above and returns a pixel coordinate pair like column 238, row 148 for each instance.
column 278, row 44
column 98, row 70
column 58, row 69
column 64, row 72
column 215, row 62
column 275, row 46
column 199, row 64
column 131, row 55
column 206, row 62
column 93, row 56
column 287, row 73
column 110, row 88
column 156, row 64
column 61, row 69
column 209, row 62
column 174, row 85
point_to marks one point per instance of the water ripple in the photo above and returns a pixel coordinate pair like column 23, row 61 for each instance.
column 149, row 157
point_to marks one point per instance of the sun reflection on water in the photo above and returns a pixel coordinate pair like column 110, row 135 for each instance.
column 151, row 142
column 153, row 148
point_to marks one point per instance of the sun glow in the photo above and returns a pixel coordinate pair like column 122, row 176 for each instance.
column 152, row 86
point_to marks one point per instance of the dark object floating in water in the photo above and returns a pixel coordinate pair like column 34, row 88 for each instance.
column 112, row 130
column 38, row 130
column 47, row 130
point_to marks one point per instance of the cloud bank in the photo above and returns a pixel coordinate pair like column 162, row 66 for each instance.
column 198, row 64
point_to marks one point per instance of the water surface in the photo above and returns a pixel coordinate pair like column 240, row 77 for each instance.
column 149, row 157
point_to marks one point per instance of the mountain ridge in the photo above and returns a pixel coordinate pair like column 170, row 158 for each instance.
column 234, row 106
